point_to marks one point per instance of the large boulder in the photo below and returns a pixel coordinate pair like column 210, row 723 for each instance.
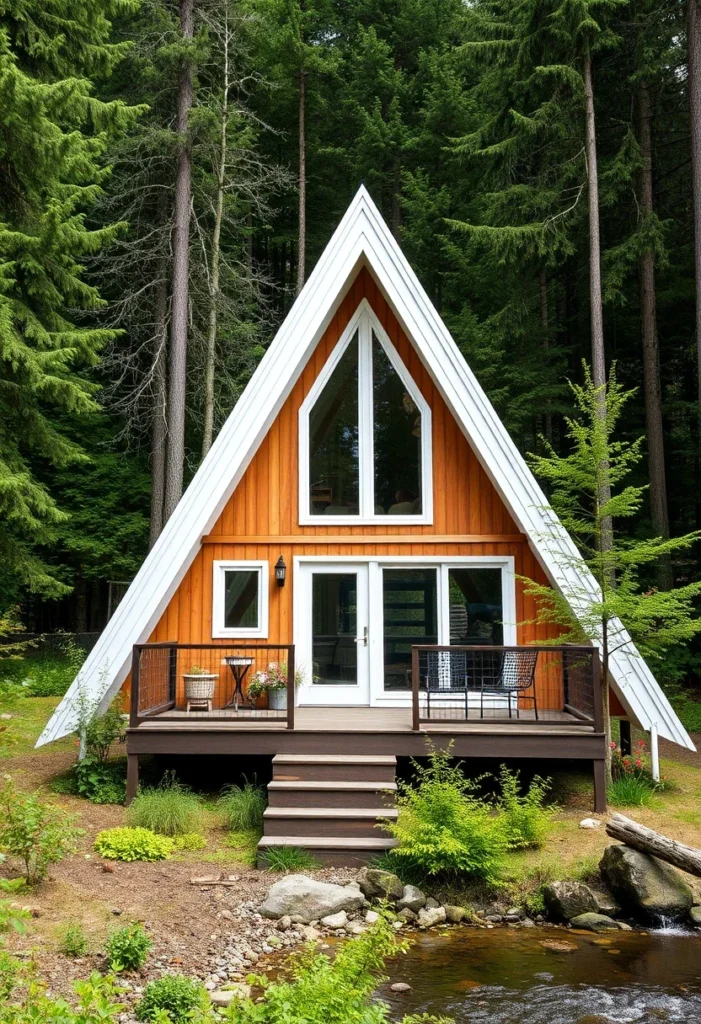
column 380, row 885
column 565, row 900
column 595, row 923
column 309, row 900
column 644, row 885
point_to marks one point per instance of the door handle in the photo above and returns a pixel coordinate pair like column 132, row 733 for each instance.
column 363, row 639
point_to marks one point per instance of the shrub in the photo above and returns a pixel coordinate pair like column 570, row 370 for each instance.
column 443, row 827
column 634, row 765
column 190, row 841
column 629, row 791
column 73, row 941
column 170, row 808
column 289, row 858
column 96, row 1004
column 133, row 844
column 34, row 832
column 527, row 820
column 176, row 996
column 10, row 969
column 127, row 948
column 242, row 807
column 100, row 782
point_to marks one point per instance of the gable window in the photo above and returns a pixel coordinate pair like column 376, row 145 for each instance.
column 365, row 434
column 240, row 599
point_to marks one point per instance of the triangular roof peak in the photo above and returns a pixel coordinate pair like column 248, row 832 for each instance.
column 361, row 238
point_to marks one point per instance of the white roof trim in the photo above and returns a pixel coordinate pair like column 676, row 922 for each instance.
column 362, row 237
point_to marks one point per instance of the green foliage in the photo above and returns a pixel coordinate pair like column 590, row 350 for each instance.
column 175, row 996
column 444, row 828
column 73, row 941
column 687, row 708
column 132, row 844
column 96, row 1003
column 527, row 820
column 325, row 991
column 127, row 948
column 289, row 858
column 33, row 832
column 100, row 731
column 242, row 807
column 629, row 791
column 100, row 782
column 190, row 841
column 10, row 970
column 170, row 808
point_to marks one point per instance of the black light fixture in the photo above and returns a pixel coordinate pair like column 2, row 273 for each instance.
column 280, row 571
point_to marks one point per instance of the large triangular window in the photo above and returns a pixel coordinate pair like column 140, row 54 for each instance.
column 365, row 434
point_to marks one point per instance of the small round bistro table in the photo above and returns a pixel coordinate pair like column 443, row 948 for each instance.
column 239, row 668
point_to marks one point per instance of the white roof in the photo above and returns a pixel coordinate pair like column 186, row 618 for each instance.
column 362, row 238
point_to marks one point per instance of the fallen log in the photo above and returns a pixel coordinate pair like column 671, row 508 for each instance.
column 627, row 831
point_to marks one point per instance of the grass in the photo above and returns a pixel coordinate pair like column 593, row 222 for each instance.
column 41, row 674
column 73, row 941
column 29, row 716
column 289, row 858
column 630, row 791
column 242, row 807
column 169, row 809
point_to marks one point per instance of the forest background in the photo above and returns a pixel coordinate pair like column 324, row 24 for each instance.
column 171, row 171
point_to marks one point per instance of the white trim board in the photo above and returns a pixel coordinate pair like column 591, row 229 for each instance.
column 362, row 238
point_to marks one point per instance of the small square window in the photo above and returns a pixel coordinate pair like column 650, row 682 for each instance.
column 240, row 599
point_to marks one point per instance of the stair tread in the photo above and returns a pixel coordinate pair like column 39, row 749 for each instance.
column 327, row 842
column 330, row 785
column 389, row 759
column 329, row 812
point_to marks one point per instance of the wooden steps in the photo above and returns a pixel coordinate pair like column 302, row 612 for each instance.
column 330, row 804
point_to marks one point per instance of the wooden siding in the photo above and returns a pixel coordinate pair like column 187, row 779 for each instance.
column 263, row 511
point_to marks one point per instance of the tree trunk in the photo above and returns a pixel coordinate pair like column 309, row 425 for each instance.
column 214, row 262
column 302, row 239
column 651, row 355
column 627, row 831
column 545, row 320
column 177, row 378
column 694, row 80
column 160, row 412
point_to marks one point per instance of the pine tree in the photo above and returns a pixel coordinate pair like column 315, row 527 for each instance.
column 54, row 135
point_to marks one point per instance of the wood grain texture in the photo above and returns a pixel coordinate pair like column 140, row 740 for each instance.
column 260, row 519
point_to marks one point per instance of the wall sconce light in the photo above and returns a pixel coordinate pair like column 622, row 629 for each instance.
column 280, row 571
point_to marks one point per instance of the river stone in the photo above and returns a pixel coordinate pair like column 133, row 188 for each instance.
column 308, row 899
column 605, row 902
column 695, row 916
column 454, row 914
column 430, row 916
column 645, row 885
column 412, row 899
column 339, row 920
column 594, row 922
column 380, row 885
column 565, row 900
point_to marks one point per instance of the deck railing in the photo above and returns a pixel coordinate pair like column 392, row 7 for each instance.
column 160, row 683
column 462, row 683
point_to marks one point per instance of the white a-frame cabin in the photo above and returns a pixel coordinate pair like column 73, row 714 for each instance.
column 339, row 581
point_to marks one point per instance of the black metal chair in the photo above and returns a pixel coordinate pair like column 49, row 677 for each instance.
column 513, row 674
column 445, row 675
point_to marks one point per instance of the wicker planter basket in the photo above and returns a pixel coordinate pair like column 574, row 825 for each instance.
column 200, row 687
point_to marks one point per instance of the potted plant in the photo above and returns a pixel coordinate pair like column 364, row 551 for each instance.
column 273, row 684
column 199, row 683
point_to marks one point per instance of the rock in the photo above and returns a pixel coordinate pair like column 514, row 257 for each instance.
column 407, row 915
column 527, row 923
column 431, row 903
column 590, row 823
column 339, row 920
column 226, row 996
column 381, row 885
column 107, row 867
column 645, row 885
column 559, row 945
column 6, row 716
column 430, row 916
column 308, row 899
column 413, row 898
column 372, row 917
column 356, row 928
column 454, row 914
column 309, row 934
column 695, row 916
column 565, row 900
column 605, row 903
column 400, row 986
column 592, row 922
column 285, row 923
column 227, row 915
column 116, row 911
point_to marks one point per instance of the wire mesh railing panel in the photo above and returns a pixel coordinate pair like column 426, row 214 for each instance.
column 578, row 675
column 225, row 680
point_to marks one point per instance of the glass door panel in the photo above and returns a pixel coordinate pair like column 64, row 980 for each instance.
column 410, row 614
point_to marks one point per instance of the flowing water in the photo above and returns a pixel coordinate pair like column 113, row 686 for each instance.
column 512, row 976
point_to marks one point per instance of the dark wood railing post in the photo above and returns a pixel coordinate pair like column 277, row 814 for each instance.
column 172, row 673
column 415, row 724
column 134, row 702
column 291, row 687
column 565, row 679
column 597, row 682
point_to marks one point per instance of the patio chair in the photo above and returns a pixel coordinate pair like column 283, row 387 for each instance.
column 513, row 676
column 446, row 674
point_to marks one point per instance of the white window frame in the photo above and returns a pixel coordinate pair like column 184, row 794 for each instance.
column 219, row 630
column 364, row 321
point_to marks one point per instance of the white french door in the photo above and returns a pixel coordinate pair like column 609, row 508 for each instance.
column 331, row 633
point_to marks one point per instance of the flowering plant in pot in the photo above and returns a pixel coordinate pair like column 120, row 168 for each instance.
column 199, row 683
column 272, row 682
